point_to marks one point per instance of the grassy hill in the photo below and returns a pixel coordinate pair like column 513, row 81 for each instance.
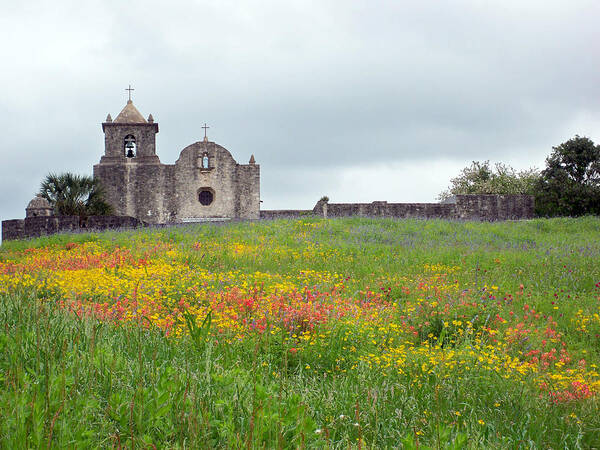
column 368, row 333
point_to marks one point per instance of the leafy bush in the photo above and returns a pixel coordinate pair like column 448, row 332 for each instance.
column 481, row 178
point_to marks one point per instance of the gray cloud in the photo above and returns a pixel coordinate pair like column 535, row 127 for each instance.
column 317, row 91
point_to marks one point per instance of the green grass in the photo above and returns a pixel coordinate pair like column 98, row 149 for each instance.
column 79, row 382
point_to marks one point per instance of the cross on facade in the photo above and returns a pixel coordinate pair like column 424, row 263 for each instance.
column 130, row 89
column 205, row 128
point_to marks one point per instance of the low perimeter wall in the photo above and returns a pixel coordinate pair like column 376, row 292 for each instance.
column 460, row 207
column 495, row 207
column 384, row 209
column 285, row 213
column 45, row 225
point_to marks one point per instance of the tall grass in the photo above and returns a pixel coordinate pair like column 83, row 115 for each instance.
column 70, row 380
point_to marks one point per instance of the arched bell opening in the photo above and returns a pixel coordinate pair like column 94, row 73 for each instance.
column 130, row 146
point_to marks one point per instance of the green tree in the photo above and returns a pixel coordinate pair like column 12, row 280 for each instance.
column 481, row 178
column 74, row 195
column 570, row 183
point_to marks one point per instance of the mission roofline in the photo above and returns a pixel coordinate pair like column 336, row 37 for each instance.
column 130, row 116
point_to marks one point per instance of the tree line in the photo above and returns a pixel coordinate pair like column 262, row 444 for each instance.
column 569, row 185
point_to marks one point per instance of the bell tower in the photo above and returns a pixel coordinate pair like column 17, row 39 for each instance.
column 130, row 171
column 129, row 138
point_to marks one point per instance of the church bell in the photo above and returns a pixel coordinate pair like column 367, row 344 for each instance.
column 129, row 147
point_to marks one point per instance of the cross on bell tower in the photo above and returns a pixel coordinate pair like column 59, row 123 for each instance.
column 130, row 137
column 130, row 89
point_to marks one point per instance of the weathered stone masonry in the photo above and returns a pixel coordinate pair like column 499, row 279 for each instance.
column 462, row 207
column 31, row 227
column 205, row 182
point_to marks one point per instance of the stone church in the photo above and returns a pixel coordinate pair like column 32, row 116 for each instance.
column 204, row 183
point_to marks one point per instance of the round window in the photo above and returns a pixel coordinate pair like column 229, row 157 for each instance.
column 205, row 197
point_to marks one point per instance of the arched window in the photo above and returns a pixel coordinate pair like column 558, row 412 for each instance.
column 205, row 161
column 130, row 146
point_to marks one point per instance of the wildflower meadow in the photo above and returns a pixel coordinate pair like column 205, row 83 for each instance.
column 312, row 333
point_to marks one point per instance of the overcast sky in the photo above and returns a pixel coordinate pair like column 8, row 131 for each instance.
column 357, row 100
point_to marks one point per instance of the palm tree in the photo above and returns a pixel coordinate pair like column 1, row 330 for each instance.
column 74, row 195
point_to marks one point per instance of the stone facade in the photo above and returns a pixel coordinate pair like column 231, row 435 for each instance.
column 205, row 182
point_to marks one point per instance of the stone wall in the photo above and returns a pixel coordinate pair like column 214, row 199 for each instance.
column 385, row 209
column 13, row 229
column 285, row 213
column 110, row 222
column 248, row 191
column 462, row 207
column 41, row 226
column 494, row 207
column 134, row 189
